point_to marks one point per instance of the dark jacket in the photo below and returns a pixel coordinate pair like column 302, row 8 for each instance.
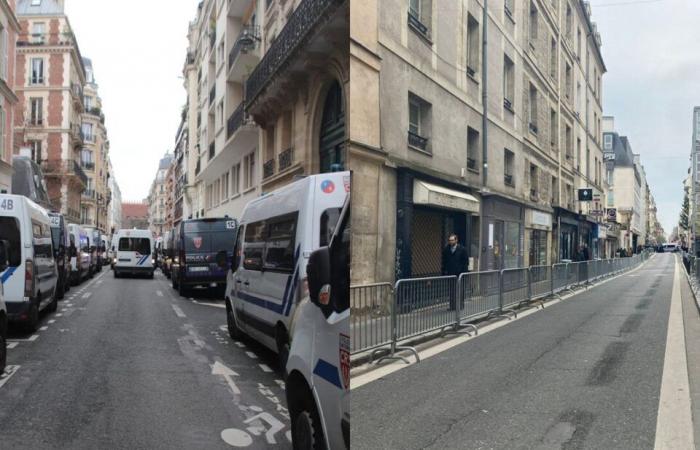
column 454, row 263
column 585, row 254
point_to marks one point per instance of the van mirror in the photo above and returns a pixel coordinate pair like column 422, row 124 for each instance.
column 222, row 259
column 318, row 275
column 4, row 254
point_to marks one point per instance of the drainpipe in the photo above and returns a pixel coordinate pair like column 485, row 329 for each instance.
column 484, row 129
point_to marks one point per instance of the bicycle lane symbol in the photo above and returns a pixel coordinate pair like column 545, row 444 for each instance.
column 244, row 438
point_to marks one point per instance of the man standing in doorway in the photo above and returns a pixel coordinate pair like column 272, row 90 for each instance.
column 454, row 262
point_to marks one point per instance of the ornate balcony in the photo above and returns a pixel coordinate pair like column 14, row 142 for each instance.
column 269, row 168
column 285, row 159
column 77, row 96
column 244, row 54
column 300, row 27
column 417, row 141
column 236, row 120
column 61, row 168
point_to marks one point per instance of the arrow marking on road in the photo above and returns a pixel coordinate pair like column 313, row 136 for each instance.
column 9, row 371
column 11, row 345
column 178, row 311
column 265, row 368
column 215, row 305
column 44, row 328
column 219, row 369
column 252, row 355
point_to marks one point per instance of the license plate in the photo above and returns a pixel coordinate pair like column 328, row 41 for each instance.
column 198, row 269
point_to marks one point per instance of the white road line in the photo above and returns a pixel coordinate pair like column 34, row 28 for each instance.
column 87, row 295
column 58, row 315
column 215, row 305
column 9, row 371
column 52, row 321
column 12, row 344
column 99, row 282
column 31, row 338
column 265, row 368
column 69, row 304
column 178, row 311
column 252, row 355
column 159, row 293
column 240, row 344
column 64, row 309
column 44, row 328
column 674, row 422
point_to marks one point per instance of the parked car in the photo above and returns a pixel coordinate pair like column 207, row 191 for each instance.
column 668, row 248
column 135, row 253
column 4, row 264
column 94, row 248
column 60, row 242
column 30, row 281
column 79, row 251
column 277, row 233
column 202, row 249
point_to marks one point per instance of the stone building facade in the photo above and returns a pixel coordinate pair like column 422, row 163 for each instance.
column 9, row 28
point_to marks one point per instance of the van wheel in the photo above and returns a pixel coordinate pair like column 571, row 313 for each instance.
column 282, row 350
column 150, row 275
column 307, row 432
column 173, row 282
column 53, row 306
column 116, row 274
column 182, row 290
column 33, row 320
column 233, row 331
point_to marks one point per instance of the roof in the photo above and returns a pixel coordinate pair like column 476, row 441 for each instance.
column 44, row 8
column 134, row 210
column 165, row 162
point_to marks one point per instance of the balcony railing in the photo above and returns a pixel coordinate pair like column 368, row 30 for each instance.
column 235, row 120
column 245, row 42
column 417, row 141
column 508, row 180
column 286, row 159
column 95, row 111
column 212, row 150
column 89, row 194
column 269, row 168
column 298, row 28
column 471, row 164
column 60, row 168
column 87, row 165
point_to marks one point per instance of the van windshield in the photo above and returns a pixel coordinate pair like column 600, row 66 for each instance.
column 56, row 237
column 140, row 245
column 9, row 230
column 209, row 236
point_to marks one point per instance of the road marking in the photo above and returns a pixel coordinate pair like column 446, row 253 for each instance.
column 240, row 344
column 219, row 369
column 31, row 338
column 252, row 355
column 52, row 321
column 64, row 309
column 12, row 344
column 9, row 371
column 674, row 423
column 265, row 368
column 87, row 295
column 59, row 315
column 99, row 282
column 280, row 383
column 178, row 311
column 44, row 328
column 69, row 304
column 159, row 293
column 215, row 305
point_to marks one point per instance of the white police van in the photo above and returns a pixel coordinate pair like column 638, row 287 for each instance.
column 276, row 235
column 79, row 251
column 134, row 253
column 29, row 282
column 318, row 368
column 4, row 264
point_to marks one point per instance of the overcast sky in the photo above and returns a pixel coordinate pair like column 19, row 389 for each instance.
column 137, row 49
column 651, row 51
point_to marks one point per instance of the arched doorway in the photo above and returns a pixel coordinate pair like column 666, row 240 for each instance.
column 332, row 132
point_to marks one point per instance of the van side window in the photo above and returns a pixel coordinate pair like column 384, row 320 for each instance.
column 280, row 243
column 42, row 242
column 237, row 250
column 9, row 229
column 329, row 219
column 254, row 245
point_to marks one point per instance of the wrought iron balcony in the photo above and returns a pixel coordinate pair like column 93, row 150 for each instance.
column 286, row 159
column 64, row 167
column 235, row 120
column 471, row 164
column 508, row 180
column 269, row 168
column 417, row 141
column 89, row 194
column 303, row 20
column 246, row 41
column 88, row 165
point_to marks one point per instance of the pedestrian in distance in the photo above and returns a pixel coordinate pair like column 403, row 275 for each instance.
column 454, row 262
column 585, row 253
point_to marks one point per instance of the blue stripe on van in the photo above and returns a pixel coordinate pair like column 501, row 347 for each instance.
column 292, row 291
column 261, row 302
column 143, row 260
column 7, row 274
column 328, row 372
column 288, row 297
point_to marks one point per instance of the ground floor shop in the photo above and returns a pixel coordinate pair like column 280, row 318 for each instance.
column 502, row 234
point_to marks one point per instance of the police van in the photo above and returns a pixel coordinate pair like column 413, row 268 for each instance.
column 4, row 264
column 134, row 253
column 59, row 238
column 29, row 282
column 318, row 368
column 276, row 235
column 79, row 251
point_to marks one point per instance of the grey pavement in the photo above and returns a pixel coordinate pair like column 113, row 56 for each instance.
column 583, row 373
column 126, row 363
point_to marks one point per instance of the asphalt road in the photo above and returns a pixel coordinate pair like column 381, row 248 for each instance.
column 127, row 363
column 583, row 373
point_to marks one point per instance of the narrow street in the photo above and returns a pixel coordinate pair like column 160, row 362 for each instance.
column 127, row 363
column 583, row 373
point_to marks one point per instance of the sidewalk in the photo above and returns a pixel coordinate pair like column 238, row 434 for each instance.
column 691, row 323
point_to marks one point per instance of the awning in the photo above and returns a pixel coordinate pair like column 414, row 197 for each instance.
column 425, row 193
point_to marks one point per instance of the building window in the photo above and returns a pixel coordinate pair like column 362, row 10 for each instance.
column 578, row 43
column 472, row 46
column 220, row 114
column 235, row 179
column 35, row 147
column 569, row 142
column 534, row 181
column 553, row 129
column 610, row 178
column 419, row 16
column 569, row 19
column 88, row 102
column 37, row 76
column 37, row 110
column 38, row 30
column 567, row 78
column 508, row 82
column 553, row 58
column 508, row 167
column 532, row 111
column 224, row 186
column 555, row 191
column 534, row 24
column 578, row 154
column 588, row 164
column 472, row 150
column 217, row 192
column 87, row 132
column 608, row 142
column 418, row 123
column 249, row 168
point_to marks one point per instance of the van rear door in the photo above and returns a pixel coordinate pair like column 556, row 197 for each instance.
column 133, row 251
column 12, row 278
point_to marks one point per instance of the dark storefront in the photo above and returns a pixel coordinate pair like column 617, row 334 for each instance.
column 502, row 246
column 566, row 226
column 428, row 211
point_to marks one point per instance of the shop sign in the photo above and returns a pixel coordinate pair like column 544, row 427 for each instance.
column 539, row 219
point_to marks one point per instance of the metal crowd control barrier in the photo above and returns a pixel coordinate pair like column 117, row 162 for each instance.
column 383, row 315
